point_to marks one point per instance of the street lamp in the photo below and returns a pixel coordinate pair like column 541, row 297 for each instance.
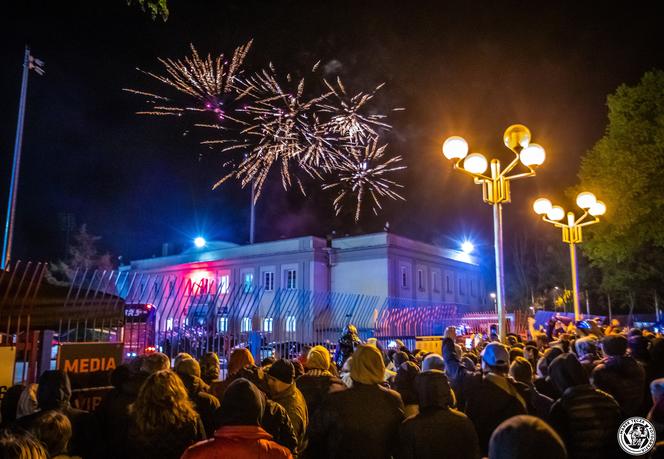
column 592, row 209
column 496, row 188
column 200, row 242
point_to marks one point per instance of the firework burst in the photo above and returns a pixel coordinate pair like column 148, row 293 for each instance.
column 209, row 81
column 363, row 174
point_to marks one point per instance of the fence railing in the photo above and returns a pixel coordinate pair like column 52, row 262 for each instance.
column 184, row 313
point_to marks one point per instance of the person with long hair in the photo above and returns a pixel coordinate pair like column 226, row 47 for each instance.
column 163, row 420
column 19, row 444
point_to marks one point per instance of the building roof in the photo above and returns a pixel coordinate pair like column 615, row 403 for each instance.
column 221, row 250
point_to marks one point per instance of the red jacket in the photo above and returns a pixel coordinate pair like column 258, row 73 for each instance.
column 238, row 442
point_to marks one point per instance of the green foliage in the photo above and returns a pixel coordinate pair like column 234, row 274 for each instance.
column 154, row 7
column 625, row 169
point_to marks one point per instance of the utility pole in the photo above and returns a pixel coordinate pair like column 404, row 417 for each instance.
column 29, row 63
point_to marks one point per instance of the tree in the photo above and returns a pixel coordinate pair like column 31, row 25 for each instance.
column 625, row 169
column 83, row 259
column 154, row 7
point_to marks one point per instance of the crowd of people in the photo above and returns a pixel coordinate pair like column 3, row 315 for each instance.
column 555, row 393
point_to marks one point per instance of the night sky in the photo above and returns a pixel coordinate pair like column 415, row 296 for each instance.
column 468, row 68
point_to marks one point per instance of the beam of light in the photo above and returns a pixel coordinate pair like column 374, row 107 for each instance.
column 467, row 247
column 200, row 242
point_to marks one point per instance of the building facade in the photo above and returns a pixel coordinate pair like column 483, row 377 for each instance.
column 303, row 285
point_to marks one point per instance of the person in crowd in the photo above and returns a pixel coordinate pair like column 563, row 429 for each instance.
column 488, row 397
column 656, row 359
column 9, row 404
column 317, row 382
column 638, row 347
column 205, row 404
column 163, row 420
column 276, row 422
column 267, row 361
column 158, row 361
column 521, row 371
column 54, row 393
column 347, row 343
column 543, row 382
column 240, row 360
column 113, row 412
column 531, row 353
column 53, row 430
column 345, row 372
column 27, row 402
column 620, row 375
column 525, row 437
column 433, row 362
column 438, row 430
column 20, row 444
column 656, row 413
column 179, row 358
column 586, row 418
column 298, row 367
column 586, row 350
column 404, row 384
column 363, row 421
column 240, row 435
column 209, row 364
column 282, row 389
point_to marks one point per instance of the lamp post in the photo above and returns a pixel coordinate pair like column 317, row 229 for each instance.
column 572, row 234
column 496, row 188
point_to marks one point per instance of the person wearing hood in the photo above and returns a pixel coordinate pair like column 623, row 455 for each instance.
column 438, row 430
column 489, row 396
column 205, row 404
column 543, row 383
column 240, row 364
column 347, row 343
column 524, row 437
column 317, row 381
column 240, row 435
column 282, row 389
column 586, row 418
column 404, row 384
column 620, row 375
column 360, row 422
column 54, row 393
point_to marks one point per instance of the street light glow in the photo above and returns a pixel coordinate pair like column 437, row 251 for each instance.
column 542, row 206
column 455, row 147
column 597, row 209
column 586, row 200
column 200, row 242
column 467, row 247
column 475, row 163
column 556, row 213
column 532, row 155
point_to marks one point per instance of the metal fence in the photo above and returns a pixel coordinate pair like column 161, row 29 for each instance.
column 176, row 313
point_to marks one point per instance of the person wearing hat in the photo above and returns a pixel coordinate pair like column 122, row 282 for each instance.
column 205, row 404
column 282, row 389
column 621, row 376
column 318, row 381
column 363, row 421
column 524, row 437
column 240, row 434
column 488, row 396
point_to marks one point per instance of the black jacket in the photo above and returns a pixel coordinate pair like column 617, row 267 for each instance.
column 315, row 389
column 206, row 405
column 624, row 379
column 438, row 430
column 54, row 393
column 587, row 419
column 485, row 403
column 169, row 443
column 360, row 422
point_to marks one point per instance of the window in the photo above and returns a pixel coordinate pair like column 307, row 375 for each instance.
column 169, row 324
column 404, row 277
column 248, row 282
column 462, row 290
column 472, row 287
column 434, row 282
column 224, row 282
column 267, row 325
column 420, row 279
column 202, row 287
column 222, row 324
column 246, row 324
column 171, row 289
column 268, row 281
column 448, row 280
column 291, row 279
column 291, row 324
column 157, row 288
